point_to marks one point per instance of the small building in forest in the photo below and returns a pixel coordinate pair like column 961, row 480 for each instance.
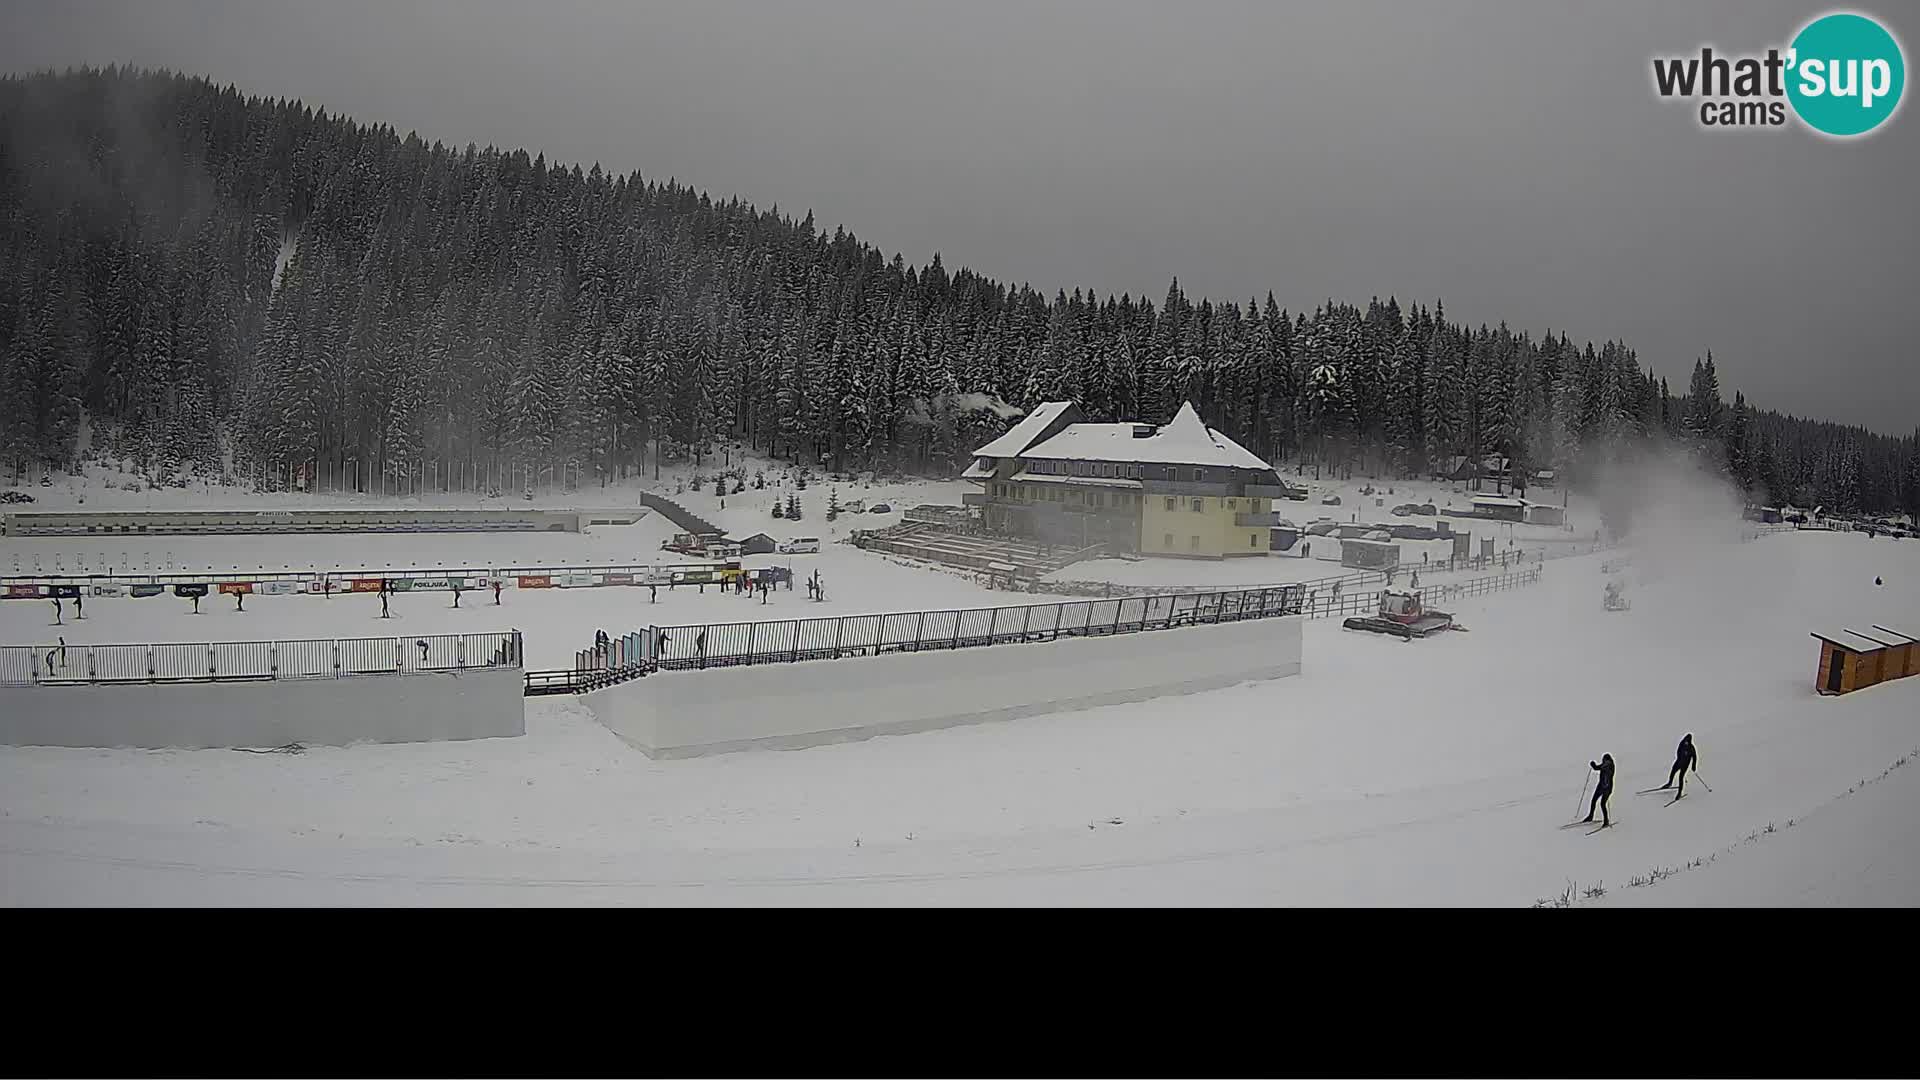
column 1854, row 660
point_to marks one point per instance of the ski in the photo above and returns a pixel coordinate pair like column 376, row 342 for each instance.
column 1606, row 826
column 1673, row 800
column 1575, row 824
column 1651, row 790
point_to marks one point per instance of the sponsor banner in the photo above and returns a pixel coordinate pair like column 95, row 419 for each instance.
column 22, row 591
column 63, row 592
column 536, row 582
column 363, row 584
column 146, row 590
column 575, row 580
column 617, row 579
column 279, row 588
column 231, row 587
column 197, row 588
column 400, row 584
column 429, row 583
column 109, row 590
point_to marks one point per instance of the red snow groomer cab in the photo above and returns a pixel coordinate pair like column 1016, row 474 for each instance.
column 1402, row 615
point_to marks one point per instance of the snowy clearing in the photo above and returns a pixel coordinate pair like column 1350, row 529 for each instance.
column 1432, row 772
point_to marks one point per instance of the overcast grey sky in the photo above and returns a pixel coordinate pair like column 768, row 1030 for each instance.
column 1509, row 158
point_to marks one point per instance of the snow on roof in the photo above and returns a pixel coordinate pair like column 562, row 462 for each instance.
column 1184, row 440
column 1849, row 640
column 1497, row 500
column 1884, row 639
column 1895, row 633
column 1017, row 438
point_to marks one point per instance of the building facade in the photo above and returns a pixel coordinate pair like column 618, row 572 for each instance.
column 1180, row 489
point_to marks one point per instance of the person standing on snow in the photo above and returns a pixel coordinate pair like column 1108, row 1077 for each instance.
column 1604, row 791
column 79, row 612
column 1684, row 758
column 57, row 620
column 496, row 593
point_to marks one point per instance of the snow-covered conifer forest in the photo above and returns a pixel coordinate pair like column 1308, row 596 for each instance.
column 214, row 285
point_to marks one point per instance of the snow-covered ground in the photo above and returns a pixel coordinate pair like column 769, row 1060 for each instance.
column 1431, row 772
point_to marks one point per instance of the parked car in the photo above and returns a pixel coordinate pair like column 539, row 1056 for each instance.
column 1426, row 509
column 800, row 545
column 1331, row 500
column 1322, row 528
column 880, row 508
column 15, row 497
column 1405, row 509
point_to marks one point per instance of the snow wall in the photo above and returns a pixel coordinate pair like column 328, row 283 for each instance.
column 481, row 703
column 788, row 706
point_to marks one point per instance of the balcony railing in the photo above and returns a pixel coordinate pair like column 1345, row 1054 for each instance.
column 1257, row 519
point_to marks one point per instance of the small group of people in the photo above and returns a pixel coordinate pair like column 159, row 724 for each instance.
column 1685, row 759
column 79, row 612
column 815, row 590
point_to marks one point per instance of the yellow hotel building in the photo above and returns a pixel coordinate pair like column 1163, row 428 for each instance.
column 1181, row 489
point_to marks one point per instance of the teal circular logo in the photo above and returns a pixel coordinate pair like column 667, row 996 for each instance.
column 1845, row 74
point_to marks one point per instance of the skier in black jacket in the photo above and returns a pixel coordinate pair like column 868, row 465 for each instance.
column 1684, row 758
column 1603, row 792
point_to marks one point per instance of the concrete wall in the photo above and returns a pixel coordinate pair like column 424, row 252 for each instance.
column 786, row 706
column 476, row 704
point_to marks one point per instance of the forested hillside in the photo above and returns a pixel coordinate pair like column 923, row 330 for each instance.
column 218, row 284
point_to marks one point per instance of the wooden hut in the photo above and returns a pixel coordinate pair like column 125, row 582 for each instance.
column 1903, row 652
column 1851, row 660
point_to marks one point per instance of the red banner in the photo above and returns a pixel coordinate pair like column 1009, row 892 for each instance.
column 23, row 590
column 619, row 579
column 236, row 586
column 363, row 584
column 541, row 582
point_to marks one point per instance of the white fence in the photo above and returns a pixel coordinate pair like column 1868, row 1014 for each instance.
column 50, row 665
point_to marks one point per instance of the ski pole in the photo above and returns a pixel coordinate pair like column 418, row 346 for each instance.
column 1583, row 793
column 1697, row 780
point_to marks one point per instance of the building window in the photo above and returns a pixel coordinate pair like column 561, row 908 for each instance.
column 1193, row 543
column 1171, row 506
column 1199, row 505
column 1232, row 504
column 1168, row 543
column 1253, row 540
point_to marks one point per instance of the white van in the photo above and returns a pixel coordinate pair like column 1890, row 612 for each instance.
column 800, row 545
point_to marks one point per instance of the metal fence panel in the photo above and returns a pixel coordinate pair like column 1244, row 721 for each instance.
column 121, row 663
column 238, row 659
column 182, row 661
column 305, row 659
column 899, row 630
column 975, row 626
column 16, row 665
column 370, row 656
column 940, row 630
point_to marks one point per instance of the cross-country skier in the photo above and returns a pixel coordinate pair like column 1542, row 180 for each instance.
column 1604, row 792
column 78, row 611
column 456, row 596
column 423, row 649
column 57, row 620
column 496, row 594
column 239, row 600
column 383, row 603
column 1684, row 758
column 196, row 603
